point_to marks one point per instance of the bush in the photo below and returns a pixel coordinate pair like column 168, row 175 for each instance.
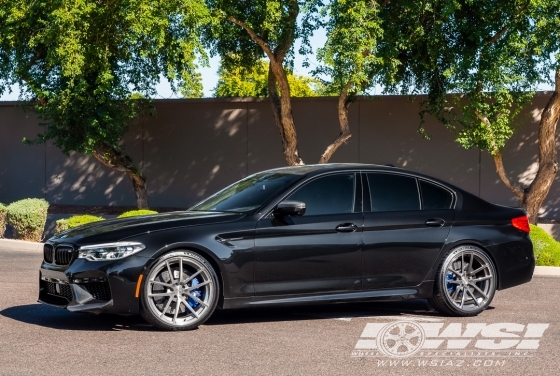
column 135, row 213
column 75, row 221
column 547, row 250
column 3, row 211
column 28, row 217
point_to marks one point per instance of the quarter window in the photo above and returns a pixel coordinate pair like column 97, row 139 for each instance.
column 393, row 192
column 434, row 197
column 333, row 194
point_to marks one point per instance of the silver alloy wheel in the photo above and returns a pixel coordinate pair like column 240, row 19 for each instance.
column 180, row 290
column 469, row 279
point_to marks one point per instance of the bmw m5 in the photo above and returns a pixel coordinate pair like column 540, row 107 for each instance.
column 295, row 235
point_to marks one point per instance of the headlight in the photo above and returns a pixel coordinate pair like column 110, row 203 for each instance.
column 109, row 251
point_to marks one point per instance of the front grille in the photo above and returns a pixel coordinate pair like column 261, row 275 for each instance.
column 59, row 289
column 99, row 290
column 61, row 255
column 48, row 253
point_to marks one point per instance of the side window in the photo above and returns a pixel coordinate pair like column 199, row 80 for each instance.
column 333, row 194
column 434, row 197
column 393, row 192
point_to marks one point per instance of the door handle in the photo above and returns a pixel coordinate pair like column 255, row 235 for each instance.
column 435, row 222
column 346, row 227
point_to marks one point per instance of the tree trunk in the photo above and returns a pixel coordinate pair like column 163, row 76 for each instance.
column 344, row 102
column 119, row 161
column 534, row 195
column 282, row 109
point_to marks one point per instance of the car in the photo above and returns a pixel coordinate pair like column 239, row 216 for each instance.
column 295, row 235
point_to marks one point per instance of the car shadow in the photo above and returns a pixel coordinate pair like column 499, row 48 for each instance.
column 56, row 318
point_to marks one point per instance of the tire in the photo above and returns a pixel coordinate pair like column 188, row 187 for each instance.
column 465, row 282
column 170, row 298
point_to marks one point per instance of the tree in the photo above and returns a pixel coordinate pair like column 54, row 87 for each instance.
column 253, row 82
column 84, row 67
column 350, row 56
column 245, row 31
column 490, row 55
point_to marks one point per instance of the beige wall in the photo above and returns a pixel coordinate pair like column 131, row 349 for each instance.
column 194, row 147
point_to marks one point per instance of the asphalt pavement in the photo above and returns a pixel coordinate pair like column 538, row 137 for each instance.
column 518, row 335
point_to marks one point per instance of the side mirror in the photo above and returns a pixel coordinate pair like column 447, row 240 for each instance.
column 290, row 208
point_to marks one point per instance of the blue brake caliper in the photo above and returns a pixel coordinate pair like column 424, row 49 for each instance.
column 450, row 277
column 196, row 293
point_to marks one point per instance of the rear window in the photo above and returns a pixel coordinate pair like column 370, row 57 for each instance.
column 393, row 192
column 434, row 197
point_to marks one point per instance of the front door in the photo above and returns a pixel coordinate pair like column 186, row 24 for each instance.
column 319, row 251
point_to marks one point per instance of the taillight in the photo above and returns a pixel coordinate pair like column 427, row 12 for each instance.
column 521, row 223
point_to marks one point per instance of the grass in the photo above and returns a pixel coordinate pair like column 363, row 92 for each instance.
column 547, row 250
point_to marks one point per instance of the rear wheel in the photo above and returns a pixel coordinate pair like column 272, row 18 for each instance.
column 180, row 291
column 465, row 282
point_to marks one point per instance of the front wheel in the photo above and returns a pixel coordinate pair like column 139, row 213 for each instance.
column 180, row 291
column 465, row 282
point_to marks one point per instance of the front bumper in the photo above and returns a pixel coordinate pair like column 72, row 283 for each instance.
column 92, row 286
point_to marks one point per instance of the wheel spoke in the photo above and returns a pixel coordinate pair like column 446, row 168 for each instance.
column 161, row 283
column 469, row 265
column 456, row 294
column 197, row 286
column 454, row 271
column 463, row 298
column 479, row 269
column 170, row 272
column 474, row 298
column 482, row 278
column 177, row 307
column 166, row 307
column 479, row 290
column 192, row 276
column 190, row 308
column 196, row 299
column 180, row 269
column 161, row 294
column 462, row 262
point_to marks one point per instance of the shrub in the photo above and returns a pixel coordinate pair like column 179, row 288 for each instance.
column 28, row 217
column 547, row 250
column 135, row 213
column 75, row 221
column 3, row 211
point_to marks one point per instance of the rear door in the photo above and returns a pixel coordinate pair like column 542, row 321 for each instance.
column 406, row 223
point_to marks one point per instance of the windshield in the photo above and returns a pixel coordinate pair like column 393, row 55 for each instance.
column 249, row 193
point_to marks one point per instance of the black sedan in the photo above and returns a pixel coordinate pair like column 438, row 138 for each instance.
column 295, row 235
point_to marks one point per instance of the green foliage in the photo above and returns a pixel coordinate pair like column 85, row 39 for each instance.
column 277, row 22
column 75, row 221
column 28, row 217
column 351, row 54
column 547, row 250
column 491, row 54
column 83, row 64
column 3, row 211
column 253, row 82
column 135, row 213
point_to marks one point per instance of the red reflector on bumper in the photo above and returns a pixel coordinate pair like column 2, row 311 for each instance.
column 521, row 223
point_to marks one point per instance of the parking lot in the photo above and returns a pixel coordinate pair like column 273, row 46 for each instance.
column 41, row 340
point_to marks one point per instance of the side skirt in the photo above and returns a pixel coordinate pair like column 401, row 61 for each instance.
column 422, row 291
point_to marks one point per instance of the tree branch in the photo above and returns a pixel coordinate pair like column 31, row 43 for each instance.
column 256, row 38
column 287, row 37
column 515, row 187
column 343, row 104
column 506, row 27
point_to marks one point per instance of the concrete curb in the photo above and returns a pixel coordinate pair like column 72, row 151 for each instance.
column 20, row 245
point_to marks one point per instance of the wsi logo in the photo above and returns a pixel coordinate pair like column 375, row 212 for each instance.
column 408, row 338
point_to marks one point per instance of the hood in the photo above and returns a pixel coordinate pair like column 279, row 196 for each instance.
column 116, row 229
